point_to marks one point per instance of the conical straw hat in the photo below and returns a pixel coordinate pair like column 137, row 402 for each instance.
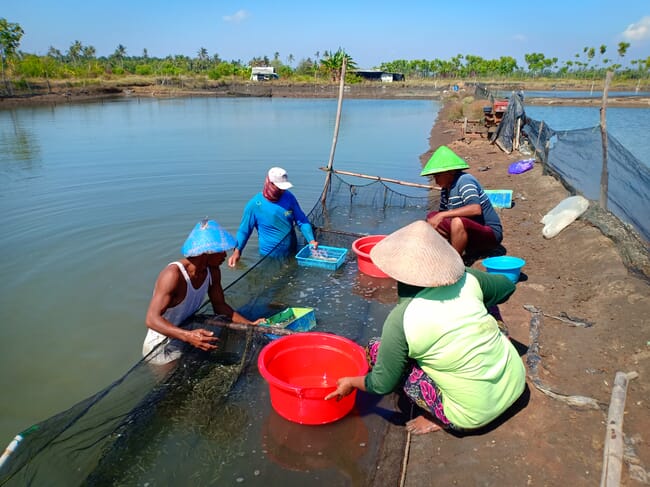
column 418, row 255
column 207, row 237
column 443, row 159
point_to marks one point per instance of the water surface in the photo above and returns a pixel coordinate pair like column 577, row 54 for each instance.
column 96, row 198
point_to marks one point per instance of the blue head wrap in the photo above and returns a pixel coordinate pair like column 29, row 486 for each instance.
column 207, row 237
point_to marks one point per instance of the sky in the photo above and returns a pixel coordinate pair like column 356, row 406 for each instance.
column 371, row 32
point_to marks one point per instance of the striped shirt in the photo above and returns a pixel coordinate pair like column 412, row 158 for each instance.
column 466, row 190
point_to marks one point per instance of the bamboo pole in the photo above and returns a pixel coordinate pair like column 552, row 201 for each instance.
column 539, row 134
column 215, row 321
column 379, row 178
column 604, row 177
column 330, row 162
column 517, row 133
column 613, row 449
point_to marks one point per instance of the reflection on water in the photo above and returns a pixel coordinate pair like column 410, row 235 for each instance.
column 304, row 448
column 17, row 144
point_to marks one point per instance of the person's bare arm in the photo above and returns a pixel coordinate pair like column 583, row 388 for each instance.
column 466, row 211
column 218, row 300
column 165, row 295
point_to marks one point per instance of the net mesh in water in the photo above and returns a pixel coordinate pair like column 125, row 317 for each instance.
column 207, row 419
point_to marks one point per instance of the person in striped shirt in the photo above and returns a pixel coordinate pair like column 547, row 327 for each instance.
column 465, row 217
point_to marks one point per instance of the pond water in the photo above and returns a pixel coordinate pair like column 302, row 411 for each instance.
column 97, row 198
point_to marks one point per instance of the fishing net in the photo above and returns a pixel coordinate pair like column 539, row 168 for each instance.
column 206, row 419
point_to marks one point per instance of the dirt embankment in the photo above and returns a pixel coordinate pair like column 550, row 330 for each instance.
column 581, row 274
column 62, row 93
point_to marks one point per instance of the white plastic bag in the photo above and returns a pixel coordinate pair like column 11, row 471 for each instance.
column 563, row 214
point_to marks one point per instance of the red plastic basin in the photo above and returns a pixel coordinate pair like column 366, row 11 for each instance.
column 362, row 248
column 302, row 369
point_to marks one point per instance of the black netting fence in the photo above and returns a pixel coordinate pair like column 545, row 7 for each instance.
column 576, row 158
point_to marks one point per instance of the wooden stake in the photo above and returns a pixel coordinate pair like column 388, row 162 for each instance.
column 604, row 177
column 330, row 162
column 613, row 450
column 517, row 132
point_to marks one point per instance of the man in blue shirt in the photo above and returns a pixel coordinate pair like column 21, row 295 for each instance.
column 466, row 217
column 273, row 212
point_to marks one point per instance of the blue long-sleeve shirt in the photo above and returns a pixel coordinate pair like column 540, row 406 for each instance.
column 274, row 221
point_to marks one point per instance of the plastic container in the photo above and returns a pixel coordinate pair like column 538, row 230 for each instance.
column 302, row 369
column 506, row 265
column 501, row 105
column 500, row 198
column 362, row 248
column 324, row 257
column 294, row 319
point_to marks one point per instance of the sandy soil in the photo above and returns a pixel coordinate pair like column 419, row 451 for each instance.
column 581, row 273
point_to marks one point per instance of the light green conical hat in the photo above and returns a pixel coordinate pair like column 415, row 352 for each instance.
column 443, row 159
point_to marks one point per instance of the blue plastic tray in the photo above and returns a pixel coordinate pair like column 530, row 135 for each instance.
column 500, row 198
column 325, row 257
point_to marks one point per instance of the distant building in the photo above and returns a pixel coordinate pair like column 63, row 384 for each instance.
column 377, row 75
column 263, row 73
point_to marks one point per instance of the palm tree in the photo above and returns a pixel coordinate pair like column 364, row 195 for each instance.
column 74, row 51
column 333, row 62
column 120, row 53
column 203, row 58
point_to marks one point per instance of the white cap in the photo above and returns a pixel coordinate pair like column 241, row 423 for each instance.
column 278, row 176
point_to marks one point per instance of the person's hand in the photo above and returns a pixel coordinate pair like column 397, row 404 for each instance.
column 313, row 244
column 202, row 339
column 234, row 258
column 258, row 321
column 344, row 387
column 435, row 222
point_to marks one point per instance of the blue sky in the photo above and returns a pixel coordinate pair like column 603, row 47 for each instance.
column 370, row 31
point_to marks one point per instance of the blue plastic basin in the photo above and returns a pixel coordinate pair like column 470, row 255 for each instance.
column 506, row 265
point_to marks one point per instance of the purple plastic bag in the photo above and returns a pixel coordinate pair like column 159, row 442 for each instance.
column 521, row 166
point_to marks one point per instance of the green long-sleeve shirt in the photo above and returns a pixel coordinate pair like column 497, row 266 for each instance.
column 449, row 333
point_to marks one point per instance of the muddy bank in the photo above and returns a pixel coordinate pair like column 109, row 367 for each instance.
column 582, row 273
column 44, row 95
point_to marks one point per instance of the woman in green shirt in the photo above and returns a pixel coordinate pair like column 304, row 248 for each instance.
column 458, row 365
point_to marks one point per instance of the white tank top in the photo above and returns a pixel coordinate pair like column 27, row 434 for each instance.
column 193, row 298
column 176, row 315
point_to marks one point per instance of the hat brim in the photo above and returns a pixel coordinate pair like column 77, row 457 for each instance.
column 416, row 254
column 284, row 185
column 443, row 159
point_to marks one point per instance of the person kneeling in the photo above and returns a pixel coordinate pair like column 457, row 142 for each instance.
column 458, row 365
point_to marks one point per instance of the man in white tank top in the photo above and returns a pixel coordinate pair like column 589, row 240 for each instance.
column 180, row 290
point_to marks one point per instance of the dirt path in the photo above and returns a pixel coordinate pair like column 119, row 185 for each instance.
column 579, row 272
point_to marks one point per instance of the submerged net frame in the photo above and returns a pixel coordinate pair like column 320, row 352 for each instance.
column 207, row 419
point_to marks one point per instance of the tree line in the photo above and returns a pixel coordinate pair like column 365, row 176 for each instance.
column 80, row 61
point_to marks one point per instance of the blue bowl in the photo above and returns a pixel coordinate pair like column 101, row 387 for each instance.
column 506, row 265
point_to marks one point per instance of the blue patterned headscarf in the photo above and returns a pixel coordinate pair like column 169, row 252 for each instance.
column 207, row 237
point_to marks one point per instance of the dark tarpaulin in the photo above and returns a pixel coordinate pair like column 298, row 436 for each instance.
column 505, row 134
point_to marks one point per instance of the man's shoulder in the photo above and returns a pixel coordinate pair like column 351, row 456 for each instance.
column 467, row 178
